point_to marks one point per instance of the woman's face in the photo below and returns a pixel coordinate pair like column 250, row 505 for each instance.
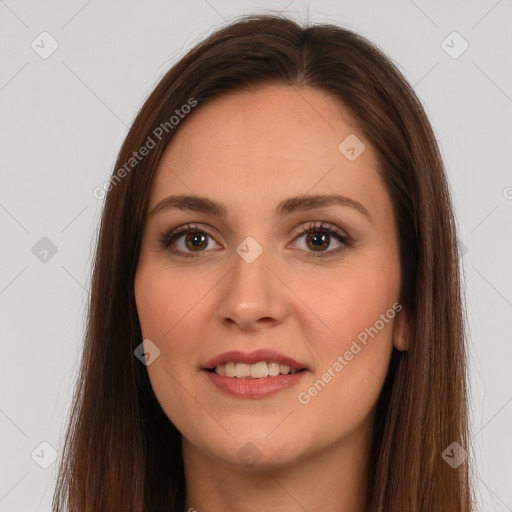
column 312, row 281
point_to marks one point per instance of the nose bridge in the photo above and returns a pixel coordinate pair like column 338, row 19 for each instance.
column 251, row 292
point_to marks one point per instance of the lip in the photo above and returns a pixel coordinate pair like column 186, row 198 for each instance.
column 254, row 388
column 256, row 356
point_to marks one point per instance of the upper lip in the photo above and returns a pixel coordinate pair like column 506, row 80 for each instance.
column 237, row 356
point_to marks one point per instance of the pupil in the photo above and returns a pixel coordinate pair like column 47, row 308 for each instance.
column 318, row 240
column 192, row 238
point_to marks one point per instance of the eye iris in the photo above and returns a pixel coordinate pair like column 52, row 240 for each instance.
column 320, row 241
column 196, row 240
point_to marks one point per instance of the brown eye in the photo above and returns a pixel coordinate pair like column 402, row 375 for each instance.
column 187, row 240
column 196, row 241
column 320, row 238
column 317, row 241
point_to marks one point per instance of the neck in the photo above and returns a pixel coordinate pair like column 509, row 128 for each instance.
column 332, row 479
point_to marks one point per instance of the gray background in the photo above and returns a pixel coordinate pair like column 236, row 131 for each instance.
column 62, row 121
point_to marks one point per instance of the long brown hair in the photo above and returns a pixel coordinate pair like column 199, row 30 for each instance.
column 121, row 452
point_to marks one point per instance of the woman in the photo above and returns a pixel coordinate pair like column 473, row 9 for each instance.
column 275, row 320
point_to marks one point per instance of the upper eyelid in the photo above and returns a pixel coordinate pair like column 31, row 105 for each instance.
column 323, row 225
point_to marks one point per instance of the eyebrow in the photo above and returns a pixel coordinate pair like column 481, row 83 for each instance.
column 285, row 207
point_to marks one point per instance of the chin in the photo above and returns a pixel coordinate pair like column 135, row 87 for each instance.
column 251, row 451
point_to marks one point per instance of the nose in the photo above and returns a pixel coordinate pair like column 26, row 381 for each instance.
column 252, row 296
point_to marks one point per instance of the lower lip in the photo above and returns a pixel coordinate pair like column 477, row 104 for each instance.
column 254, row 388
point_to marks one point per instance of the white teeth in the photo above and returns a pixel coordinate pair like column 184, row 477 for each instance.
column 273, row 368
column 242, row 370
column 258, row 370
column 230, row 369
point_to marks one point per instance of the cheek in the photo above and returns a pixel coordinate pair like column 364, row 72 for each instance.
column 163, row 301
column 353, row 355
column 168, row 308
column 352, row 301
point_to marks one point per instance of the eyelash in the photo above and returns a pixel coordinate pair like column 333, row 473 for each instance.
column 324, row 228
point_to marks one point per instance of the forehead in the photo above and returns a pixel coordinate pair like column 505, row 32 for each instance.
column 269, row 141
column 288, row 122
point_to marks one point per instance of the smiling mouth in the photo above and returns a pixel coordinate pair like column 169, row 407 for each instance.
column 258, row 370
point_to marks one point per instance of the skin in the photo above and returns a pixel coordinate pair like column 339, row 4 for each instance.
column 249, row 151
